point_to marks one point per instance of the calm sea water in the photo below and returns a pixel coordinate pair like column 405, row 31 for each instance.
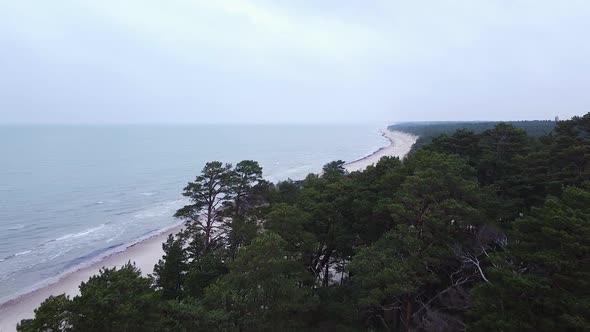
column 68, row 194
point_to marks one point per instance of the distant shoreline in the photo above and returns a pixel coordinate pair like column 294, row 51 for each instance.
column 146, row 252
column 400, row 144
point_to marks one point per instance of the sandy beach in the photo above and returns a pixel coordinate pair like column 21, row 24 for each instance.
column 145, row 254
column 399, row 146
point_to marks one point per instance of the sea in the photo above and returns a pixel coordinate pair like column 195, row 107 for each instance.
column 69, row 195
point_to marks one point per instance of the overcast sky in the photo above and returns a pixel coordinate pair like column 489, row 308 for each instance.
column 277, row 61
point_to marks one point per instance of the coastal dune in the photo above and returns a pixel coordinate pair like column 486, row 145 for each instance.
column 146, row 253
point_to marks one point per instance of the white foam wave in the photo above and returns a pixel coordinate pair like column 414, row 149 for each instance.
column 162, row 209
column 86, row 263
column 13, row 228
column 22, row 253
column 75, row 235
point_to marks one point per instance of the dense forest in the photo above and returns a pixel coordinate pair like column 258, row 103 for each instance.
column 484, row 230
column 426, row 131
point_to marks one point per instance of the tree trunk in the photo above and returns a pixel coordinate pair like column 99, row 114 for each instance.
column 327, row 274
column 408, row 313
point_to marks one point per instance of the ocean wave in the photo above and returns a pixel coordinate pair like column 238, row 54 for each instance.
column 92, row 257
column 15, row 255
column 22, row 253
column 87, row 205
column 85, row 232
column 161, row 209
column 13, row 228
column 52, row 248
column 84, row 261
column 122, row 213
column 148, row 194
column 92, row 244
column 297, row 171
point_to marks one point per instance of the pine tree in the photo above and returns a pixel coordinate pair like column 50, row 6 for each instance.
column 53, row 315
column 207, row 194
column 116, row 300
column 542, row 283
column 169, row 272
column 243, row 196
column 262, row 290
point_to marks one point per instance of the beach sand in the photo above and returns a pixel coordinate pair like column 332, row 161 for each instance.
column 145, row 254
column 400, row 145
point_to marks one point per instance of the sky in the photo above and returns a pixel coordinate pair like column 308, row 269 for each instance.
column 298, row 61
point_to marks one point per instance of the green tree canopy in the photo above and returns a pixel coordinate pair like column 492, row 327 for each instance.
column 542, row 282
column 262, row 291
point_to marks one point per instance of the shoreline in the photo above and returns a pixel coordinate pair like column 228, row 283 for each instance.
column 146, row 251
column 400, row 144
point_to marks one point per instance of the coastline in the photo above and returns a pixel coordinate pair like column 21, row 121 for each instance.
column 147, row 251
column 400, row 144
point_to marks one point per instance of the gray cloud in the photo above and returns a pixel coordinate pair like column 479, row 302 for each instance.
column 292, row 61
